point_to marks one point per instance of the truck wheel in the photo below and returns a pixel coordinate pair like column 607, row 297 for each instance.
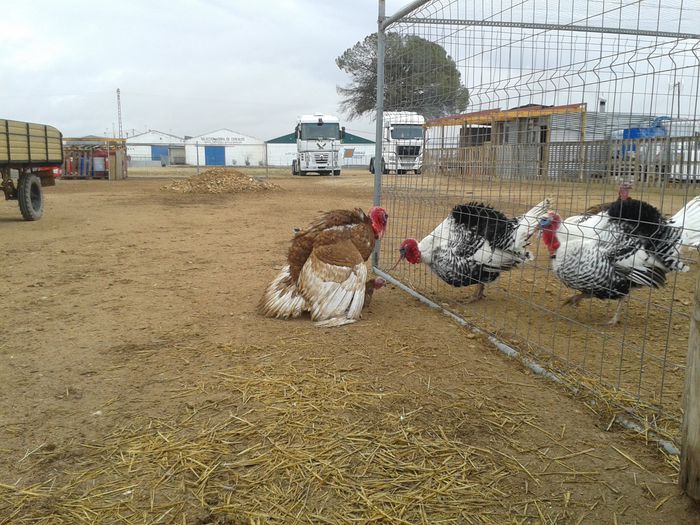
column 30, row 197
column 401, row 172
column 295, row 172
column 336, row 173
column 371, row 165
column 419, row 171
column 385, row 170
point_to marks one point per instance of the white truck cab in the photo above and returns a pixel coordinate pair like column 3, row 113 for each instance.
column 402, row 142
column 318, row 145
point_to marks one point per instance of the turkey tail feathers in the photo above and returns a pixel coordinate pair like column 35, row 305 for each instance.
column 652, row 277
column 539, row 209
column 281, row 298
column 688, row 218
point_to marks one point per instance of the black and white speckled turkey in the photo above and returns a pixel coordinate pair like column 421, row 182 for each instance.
column 629, row 245
column 474, row 244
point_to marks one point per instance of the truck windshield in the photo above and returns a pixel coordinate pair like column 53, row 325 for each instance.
column 405, row 131
column 324, row 131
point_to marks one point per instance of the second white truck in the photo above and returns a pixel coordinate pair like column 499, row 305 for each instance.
column 402, row 142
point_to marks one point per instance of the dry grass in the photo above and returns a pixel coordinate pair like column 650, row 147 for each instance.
column 286, row 446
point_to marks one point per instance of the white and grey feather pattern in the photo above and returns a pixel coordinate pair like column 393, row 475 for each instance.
column 606, row 255
column 476, row 243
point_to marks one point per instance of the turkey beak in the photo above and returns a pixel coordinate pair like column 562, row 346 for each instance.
column 542, row 223
column 402, row 256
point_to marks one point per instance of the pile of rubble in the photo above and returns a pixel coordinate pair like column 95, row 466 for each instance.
column 220, row 180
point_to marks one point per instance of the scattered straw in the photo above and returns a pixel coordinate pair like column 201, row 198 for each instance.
column 296, row 447
column 627, row 457
column 283, row 445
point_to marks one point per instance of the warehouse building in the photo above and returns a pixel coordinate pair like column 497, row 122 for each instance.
column 155, row 148
column 224, row 147
column 354, row 151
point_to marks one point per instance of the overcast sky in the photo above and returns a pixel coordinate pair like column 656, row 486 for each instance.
column 183, row 66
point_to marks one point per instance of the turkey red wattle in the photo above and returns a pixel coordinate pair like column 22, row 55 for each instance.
column 409, row 250
column 548, row 226
column 379, row 217
column 550, row 240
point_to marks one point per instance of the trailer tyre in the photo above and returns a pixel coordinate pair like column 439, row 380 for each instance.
column 30, row 197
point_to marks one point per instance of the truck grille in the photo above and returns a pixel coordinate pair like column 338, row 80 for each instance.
column 408, row 151
column 321, row 158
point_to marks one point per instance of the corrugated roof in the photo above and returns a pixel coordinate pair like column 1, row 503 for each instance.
column 354, row 139
column 489, row 115
column 284, row 139
column 154, row 131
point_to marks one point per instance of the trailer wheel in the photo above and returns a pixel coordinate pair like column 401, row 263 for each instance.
column 30, row 197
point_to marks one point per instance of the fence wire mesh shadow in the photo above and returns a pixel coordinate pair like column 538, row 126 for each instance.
column 586, row 104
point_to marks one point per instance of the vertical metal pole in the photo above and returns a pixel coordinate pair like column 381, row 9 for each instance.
column 380, row 117
column 380, row 105
column 196, row 145
column 669, row 158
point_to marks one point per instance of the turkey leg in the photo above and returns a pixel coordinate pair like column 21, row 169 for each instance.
column 575, row 299
column 478, row 294
column 618, row 311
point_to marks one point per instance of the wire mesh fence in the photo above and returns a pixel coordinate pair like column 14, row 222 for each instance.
column 573, row 159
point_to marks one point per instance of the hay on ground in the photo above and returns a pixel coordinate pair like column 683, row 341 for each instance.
column 220, row 180
column 276, row 444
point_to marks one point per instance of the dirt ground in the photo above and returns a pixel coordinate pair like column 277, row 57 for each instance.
column 140, row 386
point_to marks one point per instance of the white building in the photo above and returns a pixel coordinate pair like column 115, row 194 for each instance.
column 224, row 147
column 354, row 150
column 155, row 148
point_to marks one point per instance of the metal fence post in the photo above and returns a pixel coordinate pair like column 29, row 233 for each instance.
column 380, row 118
column 689, row 477
column 196, row 145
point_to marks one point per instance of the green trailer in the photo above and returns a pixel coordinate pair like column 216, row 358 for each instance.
column 29, row 150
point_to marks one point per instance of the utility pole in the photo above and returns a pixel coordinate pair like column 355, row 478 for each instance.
column 119, row 112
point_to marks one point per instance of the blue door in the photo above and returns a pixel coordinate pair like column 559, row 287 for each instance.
column 214, row 155
column 159, row 153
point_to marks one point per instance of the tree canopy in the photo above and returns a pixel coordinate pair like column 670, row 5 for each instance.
column 419, row 76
